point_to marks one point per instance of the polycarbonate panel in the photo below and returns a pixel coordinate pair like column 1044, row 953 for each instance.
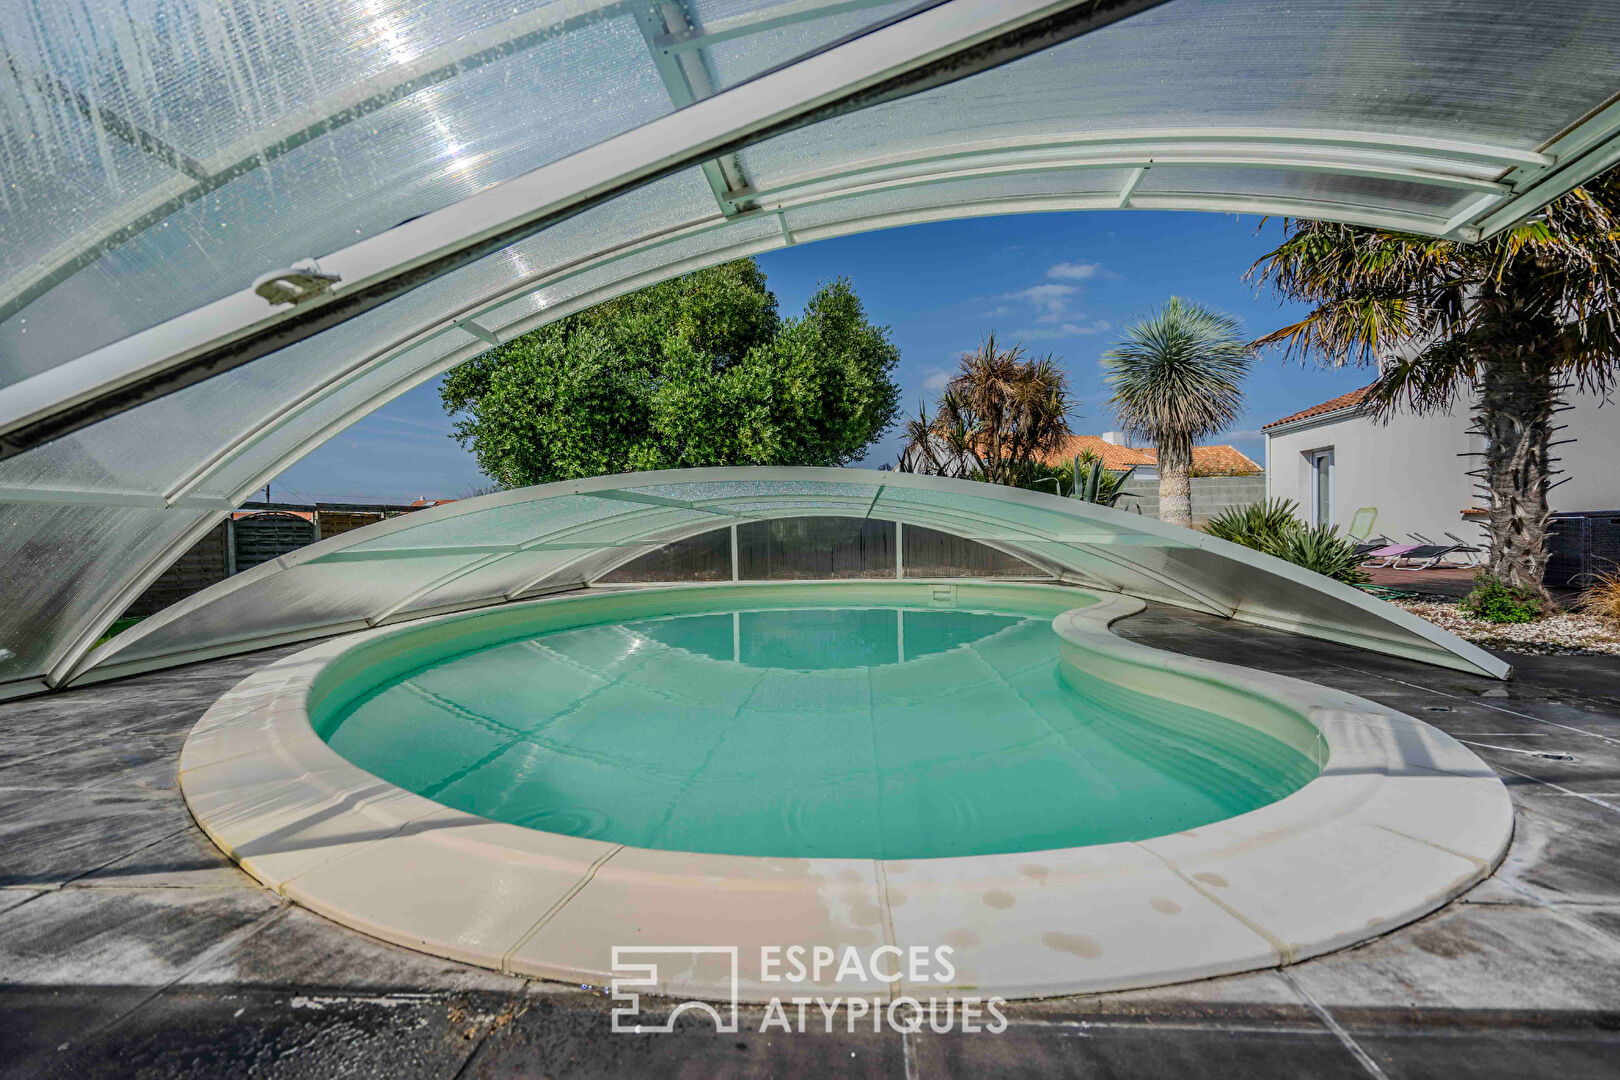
column 283, row 394
column 785, row 490
column 305, row 597
column 103, row 175
column 643, row 524
column 1373, row 66
column 489, row 581
column 61, row 568
column 815, row 549
column 929, row 553
column 426, row 150
column 926, row 553
column 592, row 284
column 739, row 59
column 957, row 193
column 705, row 557
column 1394, row 195
column 428, row 563
column 510, row 525
column 201, row 421
column 987, row 520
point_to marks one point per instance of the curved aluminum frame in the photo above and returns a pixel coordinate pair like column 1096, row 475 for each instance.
column 531, row 541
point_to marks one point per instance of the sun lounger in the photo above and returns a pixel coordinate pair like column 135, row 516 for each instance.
column 1389, row 553
column 1425, row 556
column 1372, row 544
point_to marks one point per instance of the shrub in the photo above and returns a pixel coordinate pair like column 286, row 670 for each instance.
column 1602, row 597
column 1260, row 525
column 1274, row 528
column 1323, row 550
column 1495, row 601
column 1097, row 484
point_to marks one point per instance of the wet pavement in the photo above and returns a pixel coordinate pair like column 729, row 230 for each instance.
column 130, row 947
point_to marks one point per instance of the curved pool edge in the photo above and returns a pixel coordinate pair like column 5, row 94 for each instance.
column 1402, row 819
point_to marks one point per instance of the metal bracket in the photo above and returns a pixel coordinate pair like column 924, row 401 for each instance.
column 301, row 282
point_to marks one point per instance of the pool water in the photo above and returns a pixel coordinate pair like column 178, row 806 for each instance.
column 859, row 732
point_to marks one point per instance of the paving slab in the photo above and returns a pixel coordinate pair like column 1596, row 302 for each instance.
column 250, row 1032
column 138, row 937
column 63, row 839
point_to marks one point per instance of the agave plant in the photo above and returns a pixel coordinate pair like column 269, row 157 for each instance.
column 1095, row 484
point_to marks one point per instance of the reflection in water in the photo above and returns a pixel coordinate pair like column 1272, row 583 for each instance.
column 818, row 639
column 837, row 732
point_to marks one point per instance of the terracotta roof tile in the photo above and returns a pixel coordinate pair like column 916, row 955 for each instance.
column 1223, row 460
column 1343, row 401
column 1219, row 460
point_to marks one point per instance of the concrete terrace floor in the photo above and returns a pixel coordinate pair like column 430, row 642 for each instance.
column 130, row 947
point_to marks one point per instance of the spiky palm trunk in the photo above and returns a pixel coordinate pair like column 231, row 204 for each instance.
column 1517, row 400
column 1175, row 481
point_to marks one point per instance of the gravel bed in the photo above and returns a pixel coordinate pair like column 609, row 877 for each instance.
column 1566, row 634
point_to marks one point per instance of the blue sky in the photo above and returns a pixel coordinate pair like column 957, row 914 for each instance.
column 1059, row 283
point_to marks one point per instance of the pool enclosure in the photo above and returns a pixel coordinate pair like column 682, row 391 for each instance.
column 709, row 525
column 233, row 227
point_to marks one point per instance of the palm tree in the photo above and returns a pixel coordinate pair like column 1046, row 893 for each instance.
column 1176, row 378
column 1512, row 322
column 998, row 416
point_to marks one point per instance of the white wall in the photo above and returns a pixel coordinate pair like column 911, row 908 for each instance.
column 1410, row 469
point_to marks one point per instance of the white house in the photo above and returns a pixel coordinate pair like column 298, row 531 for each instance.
column 1333, row 459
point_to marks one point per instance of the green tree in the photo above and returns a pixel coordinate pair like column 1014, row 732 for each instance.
column 1509, row 322
column 1177, row 377
column 700, row 370
column 999, row 417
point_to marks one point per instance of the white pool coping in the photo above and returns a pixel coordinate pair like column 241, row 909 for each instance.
column 1402, row 819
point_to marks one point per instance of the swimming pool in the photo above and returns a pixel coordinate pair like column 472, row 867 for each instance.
column 984, row 766
column 865, row 730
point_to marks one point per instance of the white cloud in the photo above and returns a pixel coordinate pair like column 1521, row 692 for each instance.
column 1001, row 311
column 1062, row 330
column 1074, row 271
column 1050, row 297
column 936, row 381
column 1052, row 301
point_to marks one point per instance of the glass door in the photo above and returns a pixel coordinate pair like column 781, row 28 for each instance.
column 1322, row 487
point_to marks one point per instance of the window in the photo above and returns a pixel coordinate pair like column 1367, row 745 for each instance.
column 1322, row 486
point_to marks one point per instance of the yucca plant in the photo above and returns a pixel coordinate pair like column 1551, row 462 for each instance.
column 1509, row 322
column 1177, row 377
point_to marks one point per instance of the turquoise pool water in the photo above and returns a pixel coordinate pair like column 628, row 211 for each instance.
column 860, row 732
